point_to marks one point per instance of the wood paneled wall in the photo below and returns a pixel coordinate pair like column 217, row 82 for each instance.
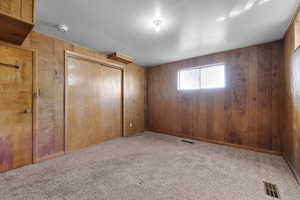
column 49, row 124
column 134, row 99
column 244, row 114
column 291, row 126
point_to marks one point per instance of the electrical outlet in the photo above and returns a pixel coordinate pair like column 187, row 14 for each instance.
column 130, row 124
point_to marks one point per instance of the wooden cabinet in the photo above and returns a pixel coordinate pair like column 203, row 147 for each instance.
column 17, row 18
column 22, row 9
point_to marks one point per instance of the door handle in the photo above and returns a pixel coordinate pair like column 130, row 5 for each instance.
column 10, row 65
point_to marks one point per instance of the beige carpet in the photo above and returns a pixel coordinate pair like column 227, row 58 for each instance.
column 152, row 167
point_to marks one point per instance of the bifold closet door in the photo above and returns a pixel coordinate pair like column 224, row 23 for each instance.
column 93, row 103
column 15, row 108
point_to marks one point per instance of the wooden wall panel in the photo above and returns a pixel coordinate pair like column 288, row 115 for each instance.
column 134, row 99
column 245, row 113
column 291, row 115
column 49, row 125
column 47, row 138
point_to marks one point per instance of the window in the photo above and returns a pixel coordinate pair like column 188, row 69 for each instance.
column 204, row 77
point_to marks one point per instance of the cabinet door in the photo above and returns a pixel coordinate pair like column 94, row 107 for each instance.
column 15, row 108
column 23, row 9
column 93, row 103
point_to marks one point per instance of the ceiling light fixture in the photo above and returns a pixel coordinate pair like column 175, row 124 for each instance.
column 157, row 25
column 250, row 4
column 235, row 13
column 221, row 19
column 63, row 28
column 263, row 1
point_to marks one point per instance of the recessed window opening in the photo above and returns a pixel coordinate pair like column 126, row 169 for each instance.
column 202, row 77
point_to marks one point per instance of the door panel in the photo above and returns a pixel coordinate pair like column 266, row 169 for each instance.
column 23, row 9
column 93, row 103
column 15, row 108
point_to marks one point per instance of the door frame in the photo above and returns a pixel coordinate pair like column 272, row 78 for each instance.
column 34, row 96
column 71, row 54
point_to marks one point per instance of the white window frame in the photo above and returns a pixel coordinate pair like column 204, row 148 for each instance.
column 199, row 68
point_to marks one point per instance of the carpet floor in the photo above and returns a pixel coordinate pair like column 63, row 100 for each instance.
column 151, row 166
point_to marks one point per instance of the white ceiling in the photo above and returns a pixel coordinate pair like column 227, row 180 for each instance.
column 189, row 27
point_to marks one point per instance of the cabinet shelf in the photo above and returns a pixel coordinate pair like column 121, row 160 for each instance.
column 14, row 30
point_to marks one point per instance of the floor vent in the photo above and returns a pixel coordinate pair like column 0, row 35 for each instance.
column 187, row 141
column 271, row 190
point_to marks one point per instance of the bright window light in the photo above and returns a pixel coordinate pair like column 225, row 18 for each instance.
column 221, row 19
column 205, row 77
column 189, row 79
column 212, row 77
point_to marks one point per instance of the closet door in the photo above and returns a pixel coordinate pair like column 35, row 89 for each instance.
column 15, row 107
column 93, row 103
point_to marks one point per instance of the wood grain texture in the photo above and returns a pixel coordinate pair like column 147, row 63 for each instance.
column 93, row 102
column 245, row 113
column 50, row 89
column 17, row 19
column 51, row 54
column 121, row 58
column 134, row 99
column 14, row 30
column 291, row 126
column 16, row 132
column 22, row 9
column 50, row 61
